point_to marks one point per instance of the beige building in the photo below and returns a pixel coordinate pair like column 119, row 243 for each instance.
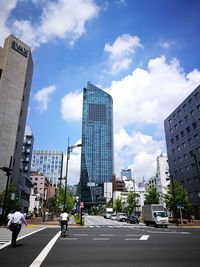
column 16, row 68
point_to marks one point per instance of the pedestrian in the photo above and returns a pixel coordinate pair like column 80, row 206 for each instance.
column 64, row 217
column 15, row 224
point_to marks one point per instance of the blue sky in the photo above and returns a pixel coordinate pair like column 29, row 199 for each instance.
column 145, row 53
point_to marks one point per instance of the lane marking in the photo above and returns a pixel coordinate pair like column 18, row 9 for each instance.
column 101, row 239
column 21, row 237
column 80, row 234
column 69, row 238
column 106, row 234
column 40, row 258
column 144, row 237
column 176, row 233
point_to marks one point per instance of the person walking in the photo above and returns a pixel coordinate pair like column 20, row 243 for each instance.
column 64, row 218
column 15, row 224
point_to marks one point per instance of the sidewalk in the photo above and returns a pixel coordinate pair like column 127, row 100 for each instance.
column 55, row 222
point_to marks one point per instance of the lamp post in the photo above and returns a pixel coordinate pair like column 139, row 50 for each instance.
column 69, row 150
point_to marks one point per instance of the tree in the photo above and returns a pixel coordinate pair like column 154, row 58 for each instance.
column 132, row 202
column 151, row 196
column 11, row 203
column 117, row 206
column 177, row 196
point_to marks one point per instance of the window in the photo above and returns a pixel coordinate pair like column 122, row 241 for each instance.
column 190, row 101
column 182, row 133
column 174, row 116
column 0, row 73
column 195, row 137
column 172, row 141
column 175, row 126
column 192, row 113
column 190, row 141
column 186, row 117
column 194, row 125
column 198, row 108
column 177, row 137
column 170, row 121
column 197, row 95
column 178, row 148
column 183, row 144
column 188, row 129
column 184, row 106
column 180, row 122
column 171, row 131
column 179, row 112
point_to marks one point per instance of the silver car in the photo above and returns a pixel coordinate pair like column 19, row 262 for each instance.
column 121, row 217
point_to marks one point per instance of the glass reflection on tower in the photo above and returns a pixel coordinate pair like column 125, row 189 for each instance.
column 97, row 143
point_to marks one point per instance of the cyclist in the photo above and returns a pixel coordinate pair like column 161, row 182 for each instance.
column 64, row 218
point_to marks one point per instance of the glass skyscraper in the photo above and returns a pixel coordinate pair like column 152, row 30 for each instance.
column 97, row 143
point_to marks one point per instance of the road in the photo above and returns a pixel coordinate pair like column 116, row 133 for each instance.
column 105, row 243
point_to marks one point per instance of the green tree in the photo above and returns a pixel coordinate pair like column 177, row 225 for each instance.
column 151, row 196
column 177, row 196
column 117, row 206
column 132, row 202
column 60, row 200
column 10, row 203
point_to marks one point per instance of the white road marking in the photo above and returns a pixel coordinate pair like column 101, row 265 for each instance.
column 106, row 234
column 100, row 239
column 68, row 238
column 80, row 234
column 177, row 233
column 40, row 258
column 144, row 237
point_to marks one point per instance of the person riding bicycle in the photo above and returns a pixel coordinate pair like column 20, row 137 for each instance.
column 64, row 218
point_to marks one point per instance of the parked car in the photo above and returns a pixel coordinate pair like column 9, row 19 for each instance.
column 132, row 219
column 121, row 217
column 113, row 217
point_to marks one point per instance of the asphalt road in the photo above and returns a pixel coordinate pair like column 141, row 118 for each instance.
column 106, row 243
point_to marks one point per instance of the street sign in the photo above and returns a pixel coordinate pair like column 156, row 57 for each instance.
column 90, row 184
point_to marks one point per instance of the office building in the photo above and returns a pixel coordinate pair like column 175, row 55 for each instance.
column 16, row 68
column 182, row 131
column 49, row 163
column 97, row 144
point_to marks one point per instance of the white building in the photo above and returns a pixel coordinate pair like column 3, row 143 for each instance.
column 161, row 180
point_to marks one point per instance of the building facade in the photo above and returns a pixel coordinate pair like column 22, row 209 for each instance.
column 182, row 131
column 16, row 68
column 97, row 143
column 48, row 162
column 42, row 190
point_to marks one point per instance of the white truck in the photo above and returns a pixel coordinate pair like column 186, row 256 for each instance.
column 108, row 213
column 155, row 214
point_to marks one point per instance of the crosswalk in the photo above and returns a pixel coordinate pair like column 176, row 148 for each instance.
column 118, row 226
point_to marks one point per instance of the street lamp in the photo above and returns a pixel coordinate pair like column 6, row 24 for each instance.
column 69, row 150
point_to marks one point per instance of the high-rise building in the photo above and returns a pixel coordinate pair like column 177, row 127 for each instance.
column 16, row 68
column 97, row 144
column 49, row 163
column 182, row 131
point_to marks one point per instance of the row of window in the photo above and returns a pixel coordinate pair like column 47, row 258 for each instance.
column 190, row 141
column 193, row 126
column 195, row 194
column 185, row 106
column 188, row 168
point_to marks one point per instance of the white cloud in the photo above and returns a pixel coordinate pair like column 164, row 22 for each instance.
column 5, row 8
column 165, row 44
column 64, row 19
column 71, row 106
column 121, row 52
column 43, row 97
column 149, row 96
column 143, row 98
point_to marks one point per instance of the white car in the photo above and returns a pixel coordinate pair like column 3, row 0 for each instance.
column 113, row 217
column 121, row 217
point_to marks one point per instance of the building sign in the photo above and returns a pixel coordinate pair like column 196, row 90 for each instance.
column 23, row 51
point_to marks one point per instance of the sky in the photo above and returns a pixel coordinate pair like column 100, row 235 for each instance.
column 145, row 53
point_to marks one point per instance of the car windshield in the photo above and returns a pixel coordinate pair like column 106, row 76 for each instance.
column 160, row 214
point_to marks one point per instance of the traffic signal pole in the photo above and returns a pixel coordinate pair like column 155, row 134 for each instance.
column 7, row 170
